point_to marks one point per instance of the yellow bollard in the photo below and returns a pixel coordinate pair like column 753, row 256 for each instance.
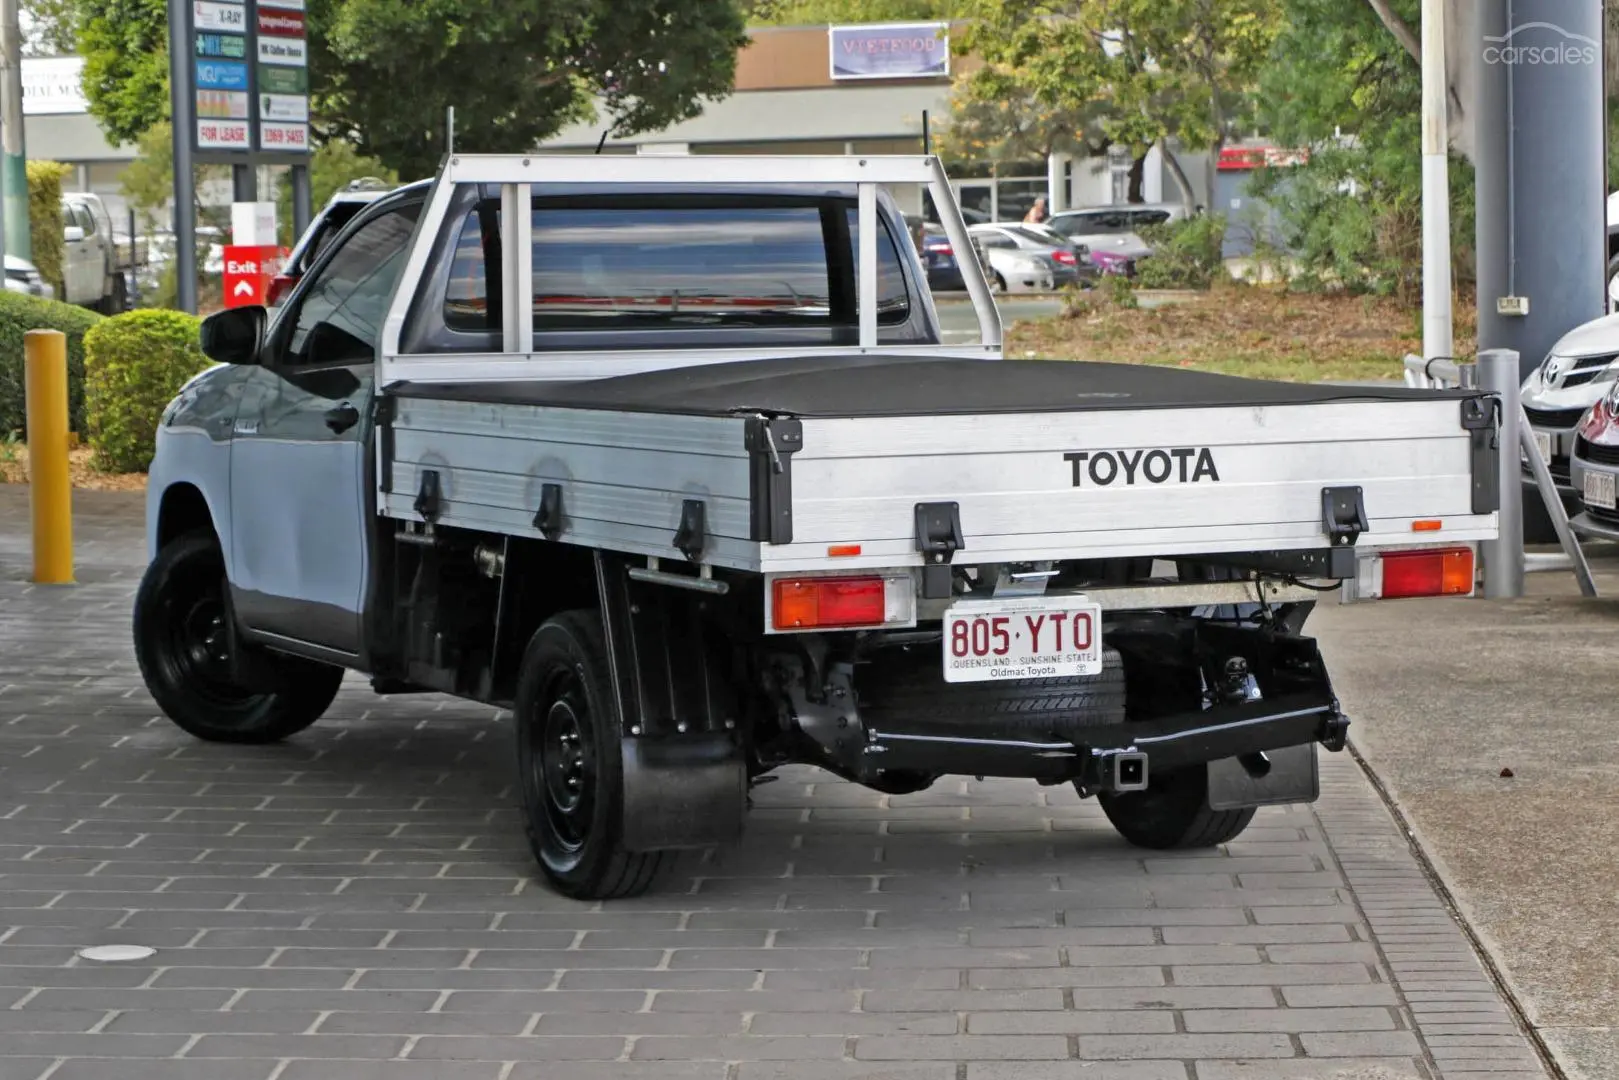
column 50, row 490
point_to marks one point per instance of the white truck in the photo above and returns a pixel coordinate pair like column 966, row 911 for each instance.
column 94, row 266
column 664, row 455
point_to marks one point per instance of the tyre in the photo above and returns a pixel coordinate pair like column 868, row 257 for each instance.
column 571, row 767
column 909, row 694
column 1173, row 813
column 183, row 649
column 997, row 283
column 119, row 300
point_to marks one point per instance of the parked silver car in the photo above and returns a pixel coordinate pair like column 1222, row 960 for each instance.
column 23, row 276
column 1113, row 228
column 1022, row 261
column 1580, row 368
column 1594, row 469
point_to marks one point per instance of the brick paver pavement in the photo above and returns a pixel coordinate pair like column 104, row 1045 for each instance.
column 358, row 904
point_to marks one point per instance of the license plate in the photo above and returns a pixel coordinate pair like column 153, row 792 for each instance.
column 1047, row 638
column 1543, row 443
column 1599, row 489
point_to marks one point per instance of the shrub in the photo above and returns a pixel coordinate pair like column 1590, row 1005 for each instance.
column 1185, row 254
column 134, row 365
column 45, row 219
column 18, row 315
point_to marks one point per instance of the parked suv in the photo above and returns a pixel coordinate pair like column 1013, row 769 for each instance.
column 92, row 273
column 338, row 212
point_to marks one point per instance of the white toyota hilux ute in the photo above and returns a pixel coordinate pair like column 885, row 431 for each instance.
column 665, row 456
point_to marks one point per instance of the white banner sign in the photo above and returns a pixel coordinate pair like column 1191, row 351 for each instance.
column 282, row 50
column 223, row 135
column 212, row 15
column 284, row 107
column 51, row 85
column 290, row 137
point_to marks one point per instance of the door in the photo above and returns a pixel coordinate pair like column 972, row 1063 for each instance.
column 78, row 258
column 301, row 505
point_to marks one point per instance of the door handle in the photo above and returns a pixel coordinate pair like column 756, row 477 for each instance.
column 342, row 417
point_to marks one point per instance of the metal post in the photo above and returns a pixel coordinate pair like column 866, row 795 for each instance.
column 17, row 237
column 927, row 137
column 244, row 182
column 1436, row 314
column 50, row 491
column 302, row 204
column 1574, row 555
column 1503, row 558
column 134, row 264
column 183, row 110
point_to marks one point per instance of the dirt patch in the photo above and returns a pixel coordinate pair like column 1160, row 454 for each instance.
column 1258, row 331
column 85, row 476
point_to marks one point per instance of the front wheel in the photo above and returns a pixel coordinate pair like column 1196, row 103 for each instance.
column 1173, row 813
column 571, row 765
column 183, row 643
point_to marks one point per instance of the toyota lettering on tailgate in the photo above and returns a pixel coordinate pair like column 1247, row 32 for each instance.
column 1180, row 464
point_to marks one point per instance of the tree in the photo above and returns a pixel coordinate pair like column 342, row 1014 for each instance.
column 125, row 45
column 382, row 72
column 813, row 12
column 1148, row 70
column 47, row 27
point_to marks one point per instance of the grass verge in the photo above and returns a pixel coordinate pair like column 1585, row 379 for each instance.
column 84, row 475
column 1257, row 331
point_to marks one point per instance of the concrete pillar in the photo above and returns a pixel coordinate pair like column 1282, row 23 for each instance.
column 1542, row 195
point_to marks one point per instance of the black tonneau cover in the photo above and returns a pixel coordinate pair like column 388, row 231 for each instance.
column 859, row 386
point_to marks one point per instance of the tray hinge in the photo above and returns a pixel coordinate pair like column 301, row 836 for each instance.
column 1481, row 420
column 1343, row 515
column 548, row 518
column 429, row 496
column 770, row 444
column 692, row 535
column 938, row 538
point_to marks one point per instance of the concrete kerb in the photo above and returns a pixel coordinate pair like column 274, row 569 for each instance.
column 1489, row 951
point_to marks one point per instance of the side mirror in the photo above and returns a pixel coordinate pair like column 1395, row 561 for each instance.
column 72, row 234
column 235, row 335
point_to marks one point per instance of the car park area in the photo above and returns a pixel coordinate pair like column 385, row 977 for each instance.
column 359, row 901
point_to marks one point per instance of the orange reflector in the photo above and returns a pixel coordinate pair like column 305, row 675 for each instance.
column 807, row 603
column 1427, row 526
column 1435, row 572
column 842, row 551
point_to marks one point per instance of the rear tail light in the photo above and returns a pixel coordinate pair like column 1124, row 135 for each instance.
column 1065, row 257
column 1393, row 575
column 842, row 603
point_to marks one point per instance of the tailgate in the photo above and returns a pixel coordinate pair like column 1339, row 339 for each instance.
column 1142, row 482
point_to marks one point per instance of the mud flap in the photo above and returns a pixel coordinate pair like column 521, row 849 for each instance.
column 1289, row 775
column 685, row 778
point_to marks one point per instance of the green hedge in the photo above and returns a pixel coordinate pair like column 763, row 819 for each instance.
column 45, row 219
column 134, row 364
column 20, row 314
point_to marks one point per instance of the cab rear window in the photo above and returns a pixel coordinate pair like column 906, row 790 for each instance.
column 607, row 264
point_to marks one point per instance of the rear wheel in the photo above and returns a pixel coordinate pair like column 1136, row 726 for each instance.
column 183, row 646
column 571, row 767
column 1173, row 813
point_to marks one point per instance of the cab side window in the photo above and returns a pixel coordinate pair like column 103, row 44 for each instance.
column 340, row 314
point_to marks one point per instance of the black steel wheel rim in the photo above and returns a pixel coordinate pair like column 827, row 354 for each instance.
column 564, row 770
column 195, row 652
